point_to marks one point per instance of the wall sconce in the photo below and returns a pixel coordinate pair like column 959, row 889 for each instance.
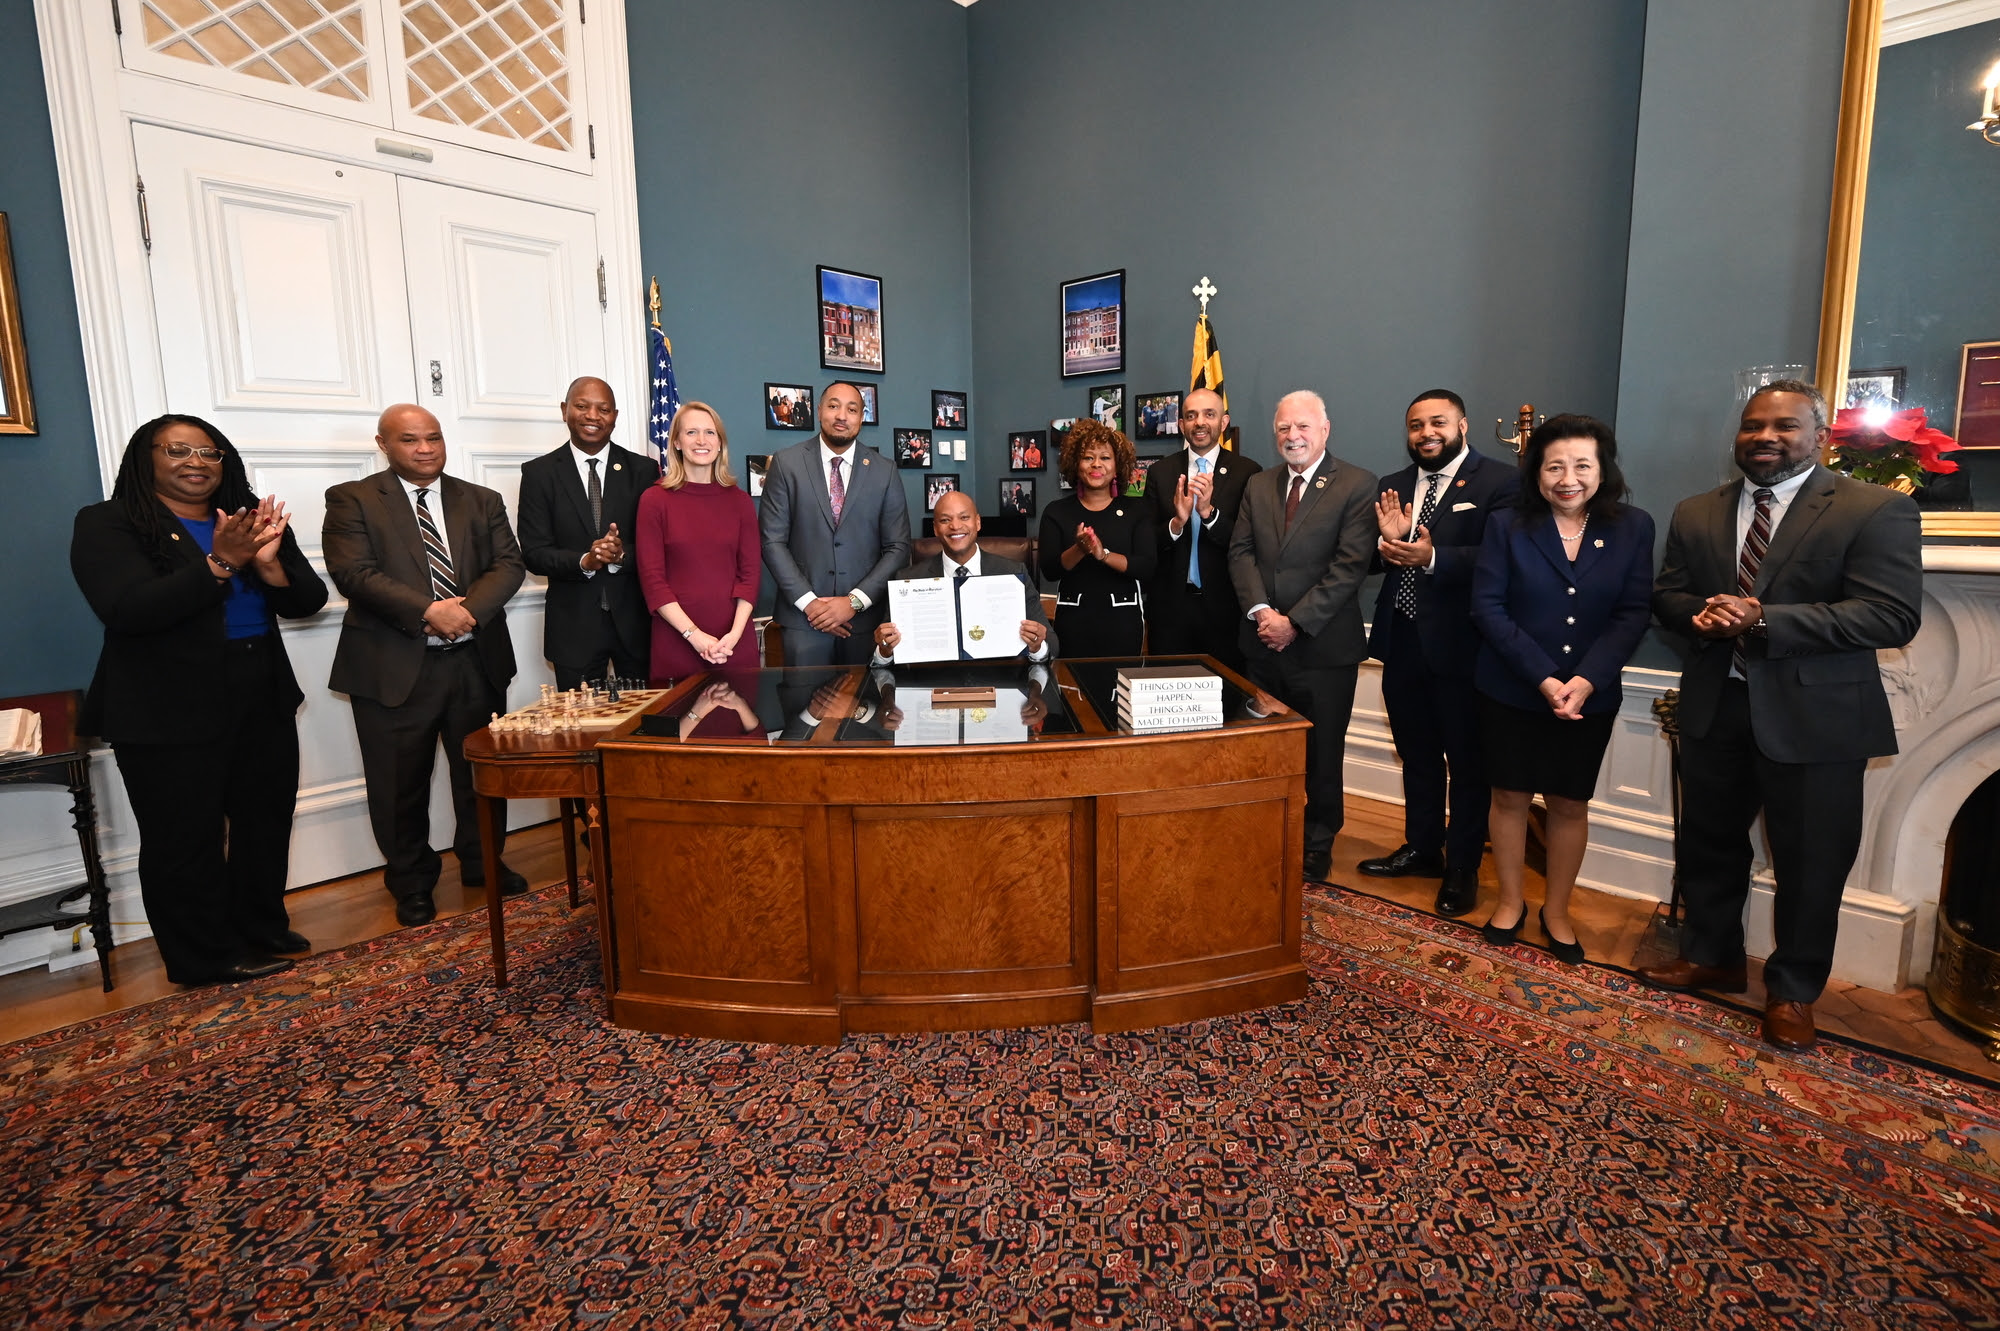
column 1988, row 123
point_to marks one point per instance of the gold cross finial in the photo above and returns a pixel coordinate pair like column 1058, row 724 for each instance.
column 653, row 301
column 1204, row 289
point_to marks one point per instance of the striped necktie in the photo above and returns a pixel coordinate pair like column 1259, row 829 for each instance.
column 443, row 584
column 1747, row 564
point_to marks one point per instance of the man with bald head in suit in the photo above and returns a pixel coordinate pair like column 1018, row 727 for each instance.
column 427, row 563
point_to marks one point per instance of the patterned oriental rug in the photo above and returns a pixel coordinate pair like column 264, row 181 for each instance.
column 1441, row 1135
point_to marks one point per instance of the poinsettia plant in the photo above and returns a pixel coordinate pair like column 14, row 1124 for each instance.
column 1889, row 448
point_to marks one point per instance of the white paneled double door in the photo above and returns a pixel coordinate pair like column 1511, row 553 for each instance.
column 294, row 298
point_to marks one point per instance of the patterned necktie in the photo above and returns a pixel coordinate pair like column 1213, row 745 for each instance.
column 836, row 492
column 1292, row 499
column 1406, row 579
column 958, row 615
column 1194, row 540
column 1747, row 564
column 443, row 583
column 596, row 489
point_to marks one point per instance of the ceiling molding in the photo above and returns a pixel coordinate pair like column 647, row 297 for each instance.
column 1907, row 20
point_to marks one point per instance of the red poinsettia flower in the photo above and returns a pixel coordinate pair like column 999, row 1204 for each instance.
column 1906, row 433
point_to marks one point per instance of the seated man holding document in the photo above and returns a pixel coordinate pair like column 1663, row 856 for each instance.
column 963, row 604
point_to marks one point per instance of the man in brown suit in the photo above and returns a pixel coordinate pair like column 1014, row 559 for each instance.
column 1300, row 549
column 427, row 563
column 1785, row 584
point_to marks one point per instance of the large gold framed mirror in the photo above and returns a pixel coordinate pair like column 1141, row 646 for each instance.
column 1910, row 313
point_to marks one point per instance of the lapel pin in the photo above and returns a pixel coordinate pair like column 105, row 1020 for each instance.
column 1320, row 482
column 176, row 535
column 1598, row 544
column 1120, row 512
column 1461, row 483
column 1222, row 471
column 617, row 466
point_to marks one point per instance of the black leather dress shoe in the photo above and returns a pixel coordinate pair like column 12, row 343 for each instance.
column 511, row 883
column 291, row 940
column 1459, row 892
column 1407, row 862
column 1318, row 864
column 253, row 968
column 416, row 910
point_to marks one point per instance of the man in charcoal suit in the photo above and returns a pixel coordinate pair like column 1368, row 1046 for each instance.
column 427, row 563
column 1191, row 602
column 1432, row 519
column 835, row 524
column 1784, row 584
column 578, row 506
column 1297, row 558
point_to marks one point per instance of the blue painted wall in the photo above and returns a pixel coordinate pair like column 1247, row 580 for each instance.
column 774, row 135
column 1929, row 280
column 48, row 637
column 1389, row 197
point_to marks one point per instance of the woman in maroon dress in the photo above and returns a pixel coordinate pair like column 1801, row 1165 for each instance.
column 700, row 560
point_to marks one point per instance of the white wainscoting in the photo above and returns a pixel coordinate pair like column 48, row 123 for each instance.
column 38, row 850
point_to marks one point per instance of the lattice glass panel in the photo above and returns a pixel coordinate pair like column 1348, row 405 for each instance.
column 497, row 66
column 318, row 45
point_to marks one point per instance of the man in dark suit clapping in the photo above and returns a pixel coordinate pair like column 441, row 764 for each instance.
column 835, row 524
column 1785, row 584
column 1191, row 603
column 1297, row 558
column 427, row 563
column 1432, row 520
column 578, row 506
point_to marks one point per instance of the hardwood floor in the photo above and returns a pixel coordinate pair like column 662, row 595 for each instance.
column 351, row 910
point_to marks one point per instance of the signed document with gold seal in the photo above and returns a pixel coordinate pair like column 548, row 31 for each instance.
column 990, row 611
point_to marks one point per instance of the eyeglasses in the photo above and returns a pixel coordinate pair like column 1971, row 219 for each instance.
column 182, row 452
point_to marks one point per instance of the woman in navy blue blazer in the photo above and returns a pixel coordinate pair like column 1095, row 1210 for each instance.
column 1562, row 594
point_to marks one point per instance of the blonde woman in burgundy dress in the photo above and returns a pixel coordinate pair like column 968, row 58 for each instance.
column 700, row 560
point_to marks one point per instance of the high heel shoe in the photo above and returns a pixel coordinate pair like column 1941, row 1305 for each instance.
column 1571, row 953
column 1501, row 937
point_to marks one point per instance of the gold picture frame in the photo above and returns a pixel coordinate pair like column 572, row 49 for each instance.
column 1843, row 234
column 17, row 399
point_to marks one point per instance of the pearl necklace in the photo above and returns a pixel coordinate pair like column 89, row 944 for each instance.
column 1579, row 530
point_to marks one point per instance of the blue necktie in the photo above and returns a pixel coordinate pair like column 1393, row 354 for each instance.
column 1194, row 537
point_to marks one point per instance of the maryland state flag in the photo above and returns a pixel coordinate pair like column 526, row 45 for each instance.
column 1207, row 369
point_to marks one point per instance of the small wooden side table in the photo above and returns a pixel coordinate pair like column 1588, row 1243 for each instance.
column 62, row 762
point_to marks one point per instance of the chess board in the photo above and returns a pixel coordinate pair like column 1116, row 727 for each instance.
column 576, row 712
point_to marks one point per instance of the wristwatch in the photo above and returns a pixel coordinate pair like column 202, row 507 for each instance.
column 854, row 599
column 1760, row 629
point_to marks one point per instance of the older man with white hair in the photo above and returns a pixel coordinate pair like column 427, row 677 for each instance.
column 1300, row 550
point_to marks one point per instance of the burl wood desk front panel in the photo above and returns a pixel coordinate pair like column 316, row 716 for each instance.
column 792, row 892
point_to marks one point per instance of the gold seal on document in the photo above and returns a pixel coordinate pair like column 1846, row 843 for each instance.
column 976, row 633
column 979, row 715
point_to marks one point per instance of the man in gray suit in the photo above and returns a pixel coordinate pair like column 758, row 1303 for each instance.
column 427, row 563
column 1784, row 587
column 835, row 525
column 1300, row 550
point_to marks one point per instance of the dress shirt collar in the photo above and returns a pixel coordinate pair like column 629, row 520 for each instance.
column 827, row 455
column 1308, row 473
column 971, row 566
column 1214, row 456
column 1449, row 471
column 1782, row 493
column 602, row 457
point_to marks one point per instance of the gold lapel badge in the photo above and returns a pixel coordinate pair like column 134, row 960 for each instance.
column 617, row 466
column 1598, row 544
column 1319, row 483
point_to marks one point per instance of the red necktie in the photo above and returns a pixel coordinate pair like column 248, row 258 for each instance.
column 836, row 493
column 1292, row 498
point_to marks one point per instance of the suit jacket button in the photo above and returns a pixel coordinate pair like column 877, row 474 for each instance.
column 1572, row 591
column 1570, row 620
column 1565, row 651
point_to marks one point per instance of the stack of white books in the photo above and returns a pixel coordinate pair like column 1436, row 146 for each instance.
column 20, row 733
column 1178, row 697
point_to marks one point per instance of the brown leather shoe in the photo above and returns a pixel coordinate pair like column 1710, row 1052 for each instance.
column 1789, row 1025
column 1680, row 973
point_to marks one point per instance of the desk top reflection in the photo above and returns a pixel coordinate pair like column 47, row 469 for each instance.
column 852, row 706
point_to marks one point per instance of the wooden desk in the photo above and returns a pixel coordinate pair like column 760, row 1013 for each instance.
column 834, row 880
column 63, row 761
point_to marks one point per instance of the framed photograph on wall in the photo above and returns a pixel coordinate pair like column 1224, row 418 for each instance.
column 947, row 409
column 1107, row 406
column 788, row 407
column 1979, row 396
column 913, row 448
column 1093, row 324
column 17, row 401
column 1156, row 415
column 868, row 416
column 936, row 486
column 850, row 320
column 756, row 467
column 1027, row 450
column 1884, row 385
column 1017, row 496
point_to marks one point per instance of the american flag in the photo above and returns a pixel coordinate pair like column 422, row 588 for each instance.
column 666, row 396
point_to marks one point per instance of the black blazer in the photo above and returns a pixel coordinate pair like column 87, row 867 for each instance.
column 373, row 554
column 1312, row 572
column 1844, row 576
column 1169, row 582
column 159, row 677
column 555, row 533
column 1444, row 595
